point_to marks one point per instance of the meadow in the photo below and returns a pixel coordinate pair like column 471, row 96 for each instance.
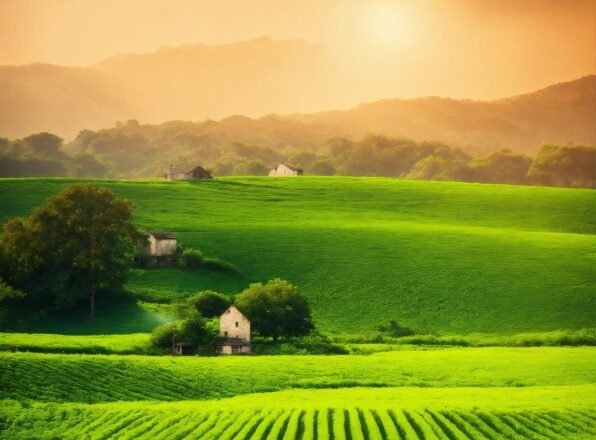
column 446, row 258
column 461, row 264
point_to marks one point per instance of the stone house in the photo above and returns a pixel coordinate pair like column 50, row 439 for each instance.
column 234, row 332
column 285, row 169
column 188, row 173
column 161, row 248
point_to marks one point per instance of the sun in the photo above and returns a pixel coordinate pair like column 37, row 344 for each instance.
column 384, row 25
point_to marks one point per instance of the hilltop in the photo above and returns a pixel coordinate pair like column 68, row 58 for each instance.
column 437, row 257
column 271, row 92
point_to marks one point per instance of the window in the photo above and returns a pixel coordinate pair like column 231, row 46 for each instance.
column 225, row 334
column 236, row 323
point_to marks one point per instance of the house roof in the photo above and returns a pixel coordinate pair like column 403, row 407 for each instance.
column 239, row 342
column 290, row 166
column 162, row 235
column 235, row 308
column 185, row 169
column 183, row 344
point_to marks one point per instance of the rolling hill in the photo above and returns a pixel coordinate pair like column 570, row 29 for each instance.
column 437, row 257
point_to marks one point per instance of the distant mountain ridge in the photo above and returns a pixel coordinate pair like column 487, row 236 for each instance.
column 266, row 77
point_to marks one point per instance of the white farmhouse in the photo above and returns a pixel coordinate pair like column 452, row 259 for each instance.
column 234, row 332
column 285, row 169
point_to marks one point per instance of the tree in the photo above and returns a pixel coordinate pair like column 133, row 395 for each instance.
column 83, row 240
column 209, row 303
column 564, row 165
column 193, row 329
column 276, row 309
column 501, row 166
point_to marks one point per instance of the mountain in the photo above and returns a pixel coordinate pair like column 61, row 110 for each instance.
column 192, row 81
column 291, row 78
column 561, row 113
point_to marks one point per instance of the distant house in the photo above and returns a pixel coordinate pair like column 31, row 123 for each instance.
column 161, row 248
column 234, row 332
column 188, row 173
column 285, row 169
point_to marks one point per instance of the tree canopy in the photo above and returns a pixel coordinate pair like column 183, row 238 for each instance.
column 276, row 309
column 82, row 241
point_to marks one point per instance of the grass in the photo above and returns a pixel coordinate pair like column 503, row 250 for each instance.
column 55, row 343
column 346, row 414
column 100, row 378
column 447, row 258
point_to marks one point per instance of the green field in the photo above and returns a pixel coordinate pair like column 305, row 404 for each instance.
column 461, row 264
column 438, row 257
column 474, row 393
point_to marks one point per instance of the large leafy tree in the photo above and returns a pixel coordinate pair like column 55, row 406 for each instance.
column 276, row 309
column 81, row 242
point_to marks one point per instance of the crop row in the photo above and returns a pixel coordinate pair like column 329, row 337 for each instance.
column 169, row 422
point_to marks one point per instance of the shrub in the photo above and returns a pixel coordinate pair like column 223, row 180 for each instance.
column 396, row 330
column 194, row 329
column 217, row 265
column 161, row 337
column 191, row 259
column 209, row 303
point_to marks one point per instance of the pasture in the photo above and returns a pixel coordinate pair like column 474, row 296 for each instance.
column 448, row 258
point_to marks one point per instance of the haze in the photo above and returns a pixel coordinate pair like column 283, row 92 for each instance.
column 459, row 48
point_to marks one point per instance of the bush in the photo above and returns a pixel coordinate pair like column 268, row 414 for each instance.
column 194, row 329
column 217, row 265
column 191, row 259
column 161, row 337
column 209, row 303
column 194, row 259
column 396, row 330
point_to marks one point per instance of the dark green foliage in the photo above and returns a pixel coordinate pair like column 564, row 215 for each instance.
column 254, row 167
column 208, row 303
column 276, row 309
column 193, row 329
column 393, row 328
column 81, row 242
column 564, row 165
column 192, row 259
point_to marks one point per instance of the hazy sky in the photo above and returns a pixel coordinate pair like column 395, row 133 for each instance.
column 460, row 48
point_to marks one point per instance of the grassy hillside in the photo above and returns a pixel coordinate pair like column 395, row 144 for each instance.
column 441, row 257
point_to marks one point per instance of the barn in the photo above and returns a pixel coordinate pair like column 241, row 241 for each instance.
column 234, row 332
column 161, row 248
column 188, row 173
column 285, row 169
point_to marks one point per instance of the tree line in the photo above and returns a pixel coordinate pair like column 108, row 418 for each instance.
column 131, row 150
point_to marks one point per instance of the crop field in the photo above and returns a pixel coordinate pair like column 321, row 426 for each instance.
column 440, row 393
column 448, row 258
column 356, row 413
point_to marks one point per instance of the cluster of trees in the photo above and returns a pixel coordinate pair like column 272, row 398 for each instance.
column 80, row 243
column 43, row 155
column 275, row 309
column 134, row 150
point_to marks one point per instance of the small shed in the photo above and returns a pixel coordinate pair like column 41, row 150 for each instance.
column 285, row 169
column 184, row 349
column 162, row 243
column 188, row 173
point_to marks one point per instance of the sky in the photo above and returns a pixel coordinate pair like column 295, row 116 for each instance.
column 479, row 49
